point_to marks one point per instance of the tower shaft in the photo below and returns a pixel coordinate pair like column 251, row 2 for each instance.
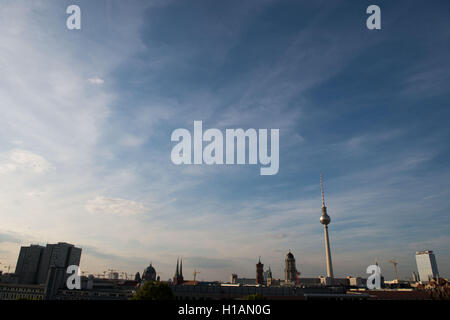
column 325, row 220
column 328, row 253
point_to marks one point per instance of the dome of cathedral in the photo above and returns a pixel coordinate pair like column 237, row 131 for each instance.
column 289, row 256
column 149, row 273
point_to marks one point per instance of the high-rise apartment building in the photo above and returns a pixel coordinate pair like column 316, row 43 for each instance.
column 28, row 263
column 426, row 265
column 35, row 261
column 60, row 255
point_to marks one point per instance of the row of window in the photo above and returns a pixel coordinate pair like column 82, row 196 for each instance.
column 16, row 289
column 15, row 296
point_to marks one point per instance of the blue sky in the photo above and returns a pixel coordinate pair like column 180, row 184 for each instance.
column 87, row 117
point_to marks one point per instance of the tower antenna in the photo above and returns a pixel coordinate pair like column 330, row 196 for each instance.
column 321, row 187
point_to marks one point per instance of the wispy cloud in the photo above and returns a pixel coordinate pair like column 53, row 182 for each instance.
column 9, row 237
column 86, row 135
column 115, row 206
column 105, row 255
column 96, row 81
column 23, row 160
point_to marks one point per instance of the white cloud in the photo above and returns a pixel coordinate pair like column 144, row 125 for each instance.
column 115, row 206
column 23, row 160
column 417, row 159
column 7, row 167
column 96, row 81
column 49, row 106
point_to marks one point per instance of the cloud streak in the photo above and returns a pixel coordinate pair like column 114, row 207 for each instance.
column 23, row 160
column 115, row 206
column 86, row 145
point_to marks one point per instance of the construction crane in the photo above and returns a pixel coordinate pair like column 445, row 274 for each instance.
column 195, row 273
column 112, row 273
column 6, row 267
column 395, row 268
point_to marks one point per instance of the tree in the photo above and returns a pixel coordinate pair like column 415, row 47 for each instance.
column 154, row 291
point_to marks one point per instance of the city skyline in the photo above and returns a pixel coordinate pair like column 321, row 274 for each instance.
column 329, row 273
column 36, row 267
column 87, row 117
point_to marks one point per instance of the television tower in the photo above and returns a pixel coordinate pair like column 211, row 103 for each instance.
column 325, row 220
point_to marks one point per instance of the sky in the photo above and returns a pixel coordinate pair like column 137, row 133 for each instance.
column 87, row 116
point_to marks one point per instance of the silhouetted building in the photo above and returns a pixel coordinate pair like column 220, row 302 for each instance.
column 290, row 270
column 34, row 262
column 56, row 280
column 259, row 272
column 267, row 275
column 60, row 255
column 137, row 277
column 270, row 281
column 210, row 291
column 14, row 291
column 149, row 273
column 178, row 277
column 28, row 264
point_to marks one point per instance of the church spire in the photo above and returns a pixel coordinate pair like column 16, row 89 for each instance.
column 176, row 271
column 181, row 268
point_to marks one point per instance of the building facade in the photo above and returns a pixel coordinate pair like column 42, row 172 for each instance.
column 242, row 281
column 290, row 270
column 426, row 265
column 14, row 291
column 259, row 273
column 60, row 255
column 149, row 273
column 28, row 264
column 34, row 262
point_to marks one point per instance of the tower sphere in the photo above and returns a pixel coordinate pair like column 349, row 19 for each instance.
column 325, row 219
